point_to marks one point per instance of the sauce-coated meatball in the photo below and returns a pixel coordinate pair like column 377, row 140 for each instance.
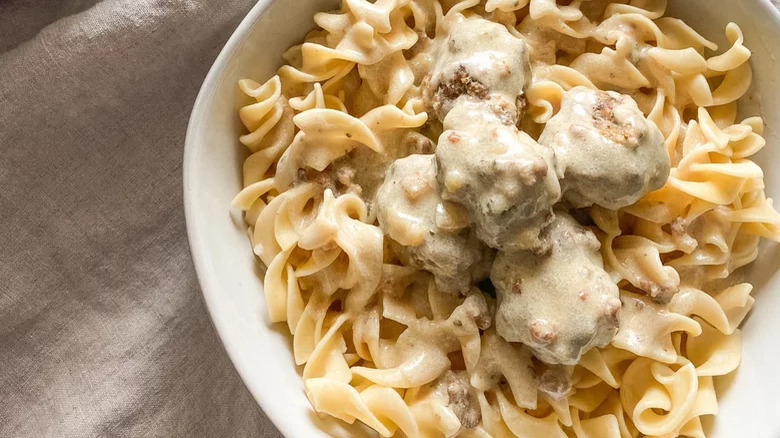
column 426, row 232
column 504, row 178
column 481, row 60
column 606, row 151
column 560, row 304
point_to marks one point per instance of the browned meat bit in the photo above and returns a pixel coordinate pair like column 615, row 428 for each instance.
column 461, row 400
column 416, row 143
column 326, row 180
column 460, row 84
column 555, row 382
column 506, row 111
column 521, row 103
column 339, row 179
column 467, row 85
column 346, row 175
column 660, row 293
column 678, row 227
column 623, row 133
column 475, row 309
column 542, row 332
column 480, row 61
column 300, row 177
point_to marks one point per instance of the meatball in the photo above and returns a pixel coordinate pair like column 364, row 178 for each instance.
column 560, row 304
column 607, row 152
column 427, row 232
column 482, row 60
column 503, row 178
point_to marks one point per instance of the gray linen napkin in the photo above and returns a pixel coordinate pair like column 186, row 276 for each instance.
column 103, row 331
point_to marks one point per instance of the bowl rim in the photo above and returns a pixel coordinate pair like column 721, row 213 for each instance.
column 201, row 258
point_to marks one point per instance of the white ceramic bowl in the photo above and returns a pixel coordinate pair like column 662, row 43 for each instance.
column 231, row 278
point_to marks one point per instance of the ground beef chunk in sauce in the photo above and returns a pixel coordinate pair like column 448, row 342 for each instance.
column 461, row 399
column 416, row 143
column 555, row 382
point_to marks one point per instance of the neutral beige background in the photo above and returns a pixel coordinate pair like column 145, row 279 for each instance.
column 102, row 328
column 103, row 331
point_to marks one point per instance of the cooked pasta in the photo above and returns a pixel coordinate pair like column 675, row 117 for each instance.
column 591, row 148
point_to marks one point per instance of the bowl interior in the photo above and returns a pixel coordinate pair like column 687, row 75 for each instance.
column 230, row 277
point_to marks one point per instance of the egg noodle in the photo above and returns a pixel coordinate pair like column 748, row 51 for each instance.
column 380, row 341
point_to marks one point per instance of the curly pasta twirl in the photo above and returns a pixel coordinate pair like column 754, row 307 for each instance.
column 508, row 218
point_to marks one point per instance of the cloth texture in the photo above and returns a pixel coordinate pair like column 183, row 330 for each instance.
column 103, row 331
